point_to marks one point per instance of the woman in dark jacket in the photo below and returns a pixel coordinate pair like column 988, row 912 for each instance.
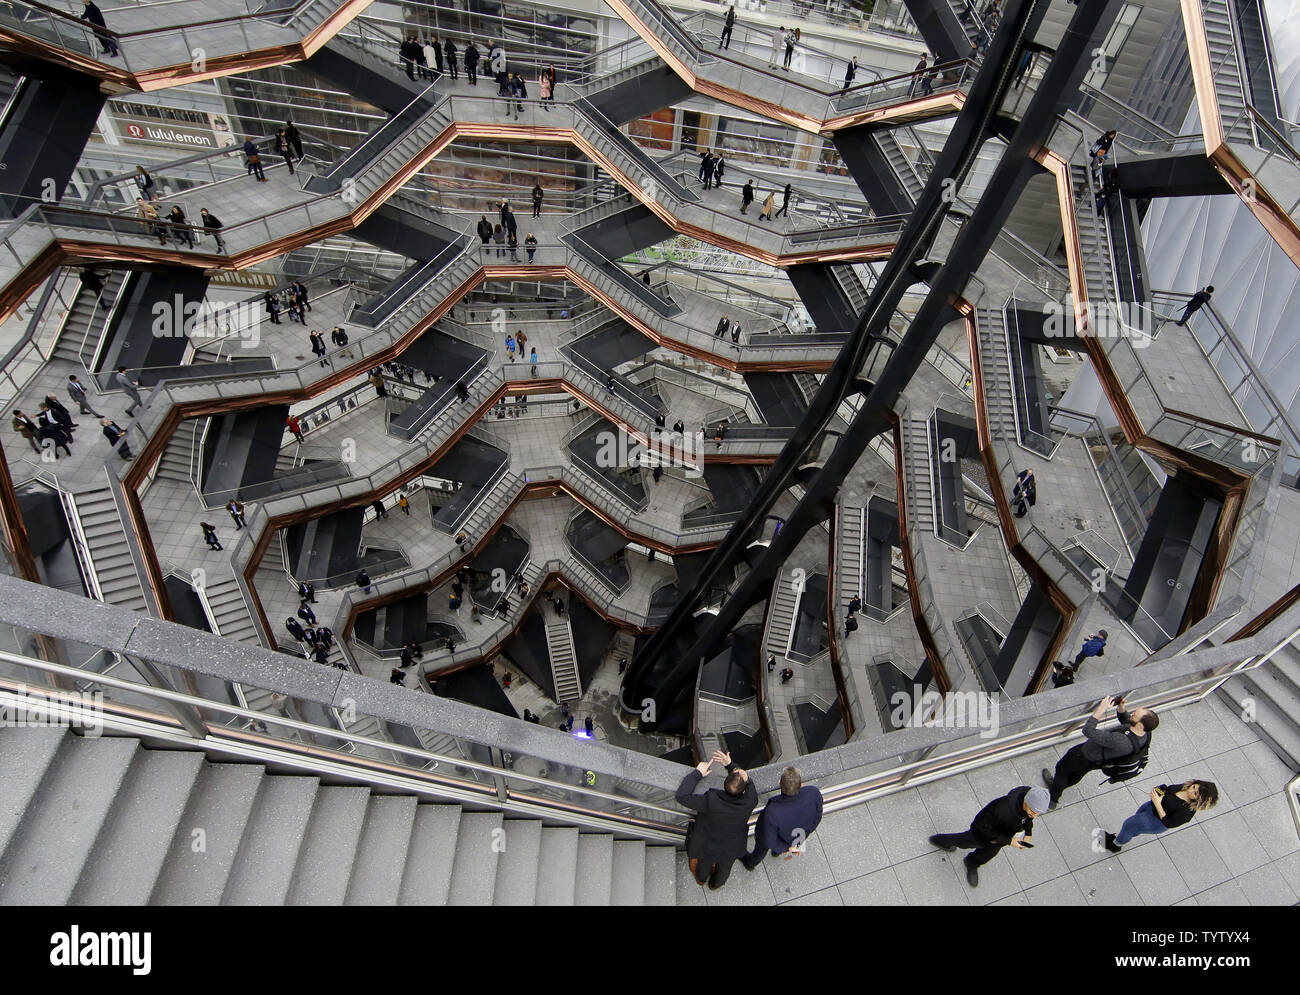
column 449, row 50
column 719, row 834
column 1171, row 806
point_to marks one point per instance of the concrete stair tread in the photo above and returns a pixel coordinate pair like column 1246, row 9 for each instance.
column 517, row 868
column 201, row 854
column 595, row 869
column 628, row 884
column 426, row 879
column 264, row 867
column 45, row 856
column 474, row 869
column 660, row 875
column 382, row 852
column 329, row 847
column 25, row 755
column 129, row 852
column 558, row 866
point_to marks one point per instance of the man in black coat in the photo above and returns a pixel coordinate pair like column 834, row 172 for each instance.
column 720, row 830
column 295, row 628
column 411, row 55
column 787, row 820
column 93, row 16
column 1198, row 301
column 996, row 826
column 471, row 63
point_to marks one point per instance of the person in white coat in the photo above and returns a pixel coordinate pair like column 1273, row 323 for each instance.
column 778, row 48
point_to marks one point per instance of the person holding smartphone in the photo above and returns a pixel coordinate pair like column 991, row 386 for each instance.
column 997, row 825
column 1171, row 806
column 1102, row 746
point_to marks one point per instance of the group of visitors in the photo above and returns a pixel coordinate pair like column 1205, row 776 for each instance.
column 431, row 60
column 315, row 639
column 52, row 427
column 285, row 143
column 718, row 834
column 505, row 234
column 292, row 299
column 1121, row 754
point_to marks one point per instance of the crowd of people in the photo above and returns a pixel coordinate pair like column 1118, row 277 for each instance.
column 52, row 429
column 429, row 59
column 285, row 144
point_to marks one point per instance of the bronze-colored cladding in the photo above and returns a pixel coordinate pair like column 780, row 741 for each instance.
column 17, row 544
column 1269, row 615
column 1230, row 484
column 548, row 582
column 151, row 452
column 63, row 251
column 832, row 614
column 1271, row 214
column 146, row 81
column 532, row 490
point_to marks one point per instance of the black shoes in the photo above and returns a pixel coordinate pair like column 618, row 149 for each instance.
column 972, row 874
column 1111, row 845
column 947, row 848
column 1048, row 778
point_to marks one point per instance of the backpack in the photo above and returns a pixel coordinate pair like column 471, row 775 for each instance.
column 1130, row 765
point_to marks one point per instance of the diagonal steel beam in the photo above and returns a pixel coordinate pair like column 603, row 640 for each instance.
column 650, row 676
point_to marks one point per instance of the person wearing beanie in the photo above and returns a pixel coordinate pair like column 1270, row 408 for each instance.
column 997, row 825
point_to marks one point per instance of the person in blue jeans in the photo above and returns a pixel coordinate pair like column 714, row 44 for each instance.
column 1171, row 806
column 1094, row 645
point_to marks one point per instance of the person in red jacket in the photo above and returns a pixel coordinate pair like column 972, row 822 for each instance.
column 295, row 426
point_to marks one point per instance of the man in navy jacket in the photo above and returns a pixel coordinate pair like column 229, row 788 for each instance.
column 787, row 820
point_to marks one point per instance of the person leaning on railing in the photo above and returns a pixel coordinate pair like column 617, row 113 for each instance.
column 149, row 215
column 212, row 225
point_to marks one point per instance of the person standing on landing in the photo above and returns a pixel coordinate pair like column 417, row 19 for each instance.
column 787, row 820
column 1171, row 806
column 720, row 829
column 1126, row 744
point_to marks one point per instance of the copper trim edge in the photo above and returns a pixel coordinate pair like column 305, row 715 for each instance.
column 162, row 77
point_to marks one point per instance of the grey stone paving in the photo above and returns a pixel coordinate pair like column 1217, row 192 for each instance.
column 1245, row 851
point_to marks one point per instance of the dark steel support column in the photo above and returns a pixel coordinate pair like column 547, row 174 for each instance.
column 969, row 132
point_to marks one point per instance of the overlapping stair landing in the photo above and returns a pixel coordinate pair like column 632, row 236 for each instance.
column 156, row 43
column 105, row 821
column 328, row 551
